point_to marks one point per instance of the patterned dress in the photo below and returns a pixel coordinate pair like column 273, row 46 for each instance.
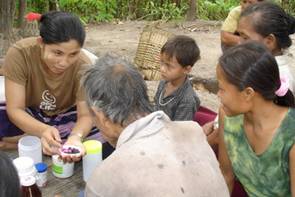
column 267, row 174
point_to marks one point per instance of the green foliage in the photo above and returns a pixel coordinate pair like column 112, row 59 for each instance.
column 215, row 10
column 167, row 11
column 39, row 6
column 287, row 5
column 106, row 10
column 290, row 7
column 90, row 10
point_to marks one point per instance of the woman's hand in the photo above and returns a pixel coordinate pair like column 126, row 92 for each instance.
column 50, row 140
column 74, row 140
column 211, row 132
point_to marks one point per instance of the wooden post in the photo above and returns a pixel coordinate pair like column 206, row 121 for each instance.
column 53, row 5
column 191, row 12
column 21, row 13
column 7, row 8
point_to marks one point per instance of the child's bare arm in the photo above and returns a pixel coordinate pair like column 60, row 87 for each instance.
column 229, row 39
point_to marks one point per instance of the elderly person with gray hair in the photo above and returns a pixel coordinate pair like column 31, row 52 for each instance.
column 154, row 156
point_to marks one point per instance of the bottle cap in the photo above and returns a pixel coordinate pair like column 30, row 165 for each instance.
column 92, row 146
column 28, row 181
column 41, row 167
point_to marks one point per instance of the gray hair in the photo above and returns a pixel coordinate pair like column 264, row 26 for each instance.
column 115, row 87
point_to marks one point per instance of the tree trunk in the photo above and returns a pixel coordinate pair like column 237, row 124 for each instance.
column 53, row 5
column 197, row 9
column 132, row 7
column 21, row 13
column 7, row 8
column 119, row 9
column 284, row 3
column 177, row 2
column 192, row 10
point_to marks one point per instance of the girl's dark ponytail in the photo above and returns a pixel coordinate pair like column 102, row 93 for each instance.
column 287, row 100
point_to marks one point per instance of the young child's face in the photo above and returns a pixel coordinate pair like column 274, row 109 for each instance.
column 246, row 3
column 170, row 68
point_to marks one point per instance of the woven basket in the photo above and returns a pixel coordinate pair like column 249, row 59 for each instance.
column 147, row 57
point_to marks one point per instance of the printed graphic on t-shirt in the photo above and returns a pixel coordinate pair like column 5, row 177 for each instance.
column 48, row 103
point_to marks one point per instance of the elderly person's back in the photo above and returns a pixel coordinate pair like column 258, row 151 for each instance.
column 154, row 156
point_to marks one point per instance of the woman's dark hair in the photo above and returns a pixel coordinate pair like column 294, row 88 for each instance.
column 252, row 65
column 9, row 181
column 57, row 27
column 269, row 18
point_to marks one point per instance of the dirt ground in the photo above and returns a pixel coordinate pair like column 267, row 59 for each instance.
column 123, row 38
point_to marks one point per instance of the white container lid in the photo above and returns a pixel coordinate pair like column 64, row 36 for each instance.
column 29, row 143
column 25, row 166
column 93, row 147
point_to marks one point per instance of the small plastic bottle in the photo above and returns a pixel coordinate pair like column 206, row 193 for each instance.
column 92, row 158
column 29, row 187
column 41, row 174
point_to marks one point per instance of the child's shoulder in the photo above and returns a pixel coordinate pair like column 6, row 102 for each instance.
column 161, row 85
column 230, row 23
column 234, row 13
column 190, row 93
column 237, row 9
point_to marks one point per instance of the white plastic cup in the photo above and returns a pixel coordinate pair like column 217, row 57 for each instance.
column 61, row 169
column 92, row 158
column 30, row 146
column 25, row 167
